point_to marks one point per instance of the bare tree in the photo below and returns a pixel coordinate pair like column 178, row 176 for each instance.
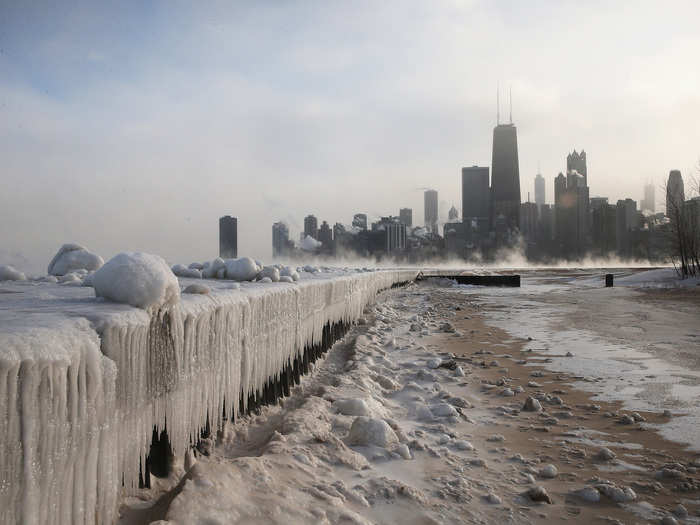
column 684, row 219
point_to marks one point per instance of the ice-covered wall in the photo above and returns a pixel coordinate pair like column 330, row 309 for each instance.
column 83, row 383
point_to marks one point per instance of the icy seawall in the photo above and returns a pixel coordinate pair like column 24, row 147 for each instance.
column 83, row 382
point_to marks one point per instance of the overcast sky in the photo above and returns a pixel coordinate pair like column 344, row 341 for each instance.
column 135, row 128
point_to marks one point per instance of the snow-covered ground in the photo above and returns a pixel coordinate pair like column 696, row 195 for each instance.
column 83, row 380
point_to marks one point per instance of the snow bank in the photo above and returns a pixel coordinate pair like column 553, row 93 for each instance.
column 139, row 279
column 8, row 273
column 71, row 257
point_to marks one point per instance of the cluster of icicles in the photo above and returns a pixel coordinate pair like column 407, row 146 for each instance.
column 78, row 404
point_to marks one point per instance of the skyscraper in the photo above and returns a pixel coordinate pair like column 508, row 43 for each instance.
column 649, row 201
column 280, row 239
column 325, row 235
column 577, row 161
column 453, row 214
column 311, row 227
column 476, row 194
column 406, row 216
column 675, row 192
column 539, row 190
column 505, row 176
column 430, row 209
column 228, row 237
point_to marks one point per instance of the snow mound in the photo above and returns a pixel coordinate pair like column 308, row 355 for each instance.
column 139, row 279
column 243, row 269
column 8, row 273
column 197, row 288
column 183, row 271
column 73, row 257
column 287, row 271
column 272, row 272
column 370, row 431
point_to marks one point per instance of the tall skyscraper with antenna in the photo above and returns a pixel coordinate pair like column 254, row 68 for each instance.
column 505, row 173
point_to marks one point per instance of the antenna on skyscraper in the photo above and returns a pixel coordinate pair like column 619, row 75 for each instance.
column 498, row 105
column 510, row 98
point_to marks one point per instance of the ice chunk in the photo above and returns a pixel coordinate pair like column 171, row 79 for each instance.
column 8, row 273
column 72, row 257
column 139, row 279
column 197, row 288
column 370, row 431
column 183, row 271
column 272, row 272
column 211, row 269
column 243, row 269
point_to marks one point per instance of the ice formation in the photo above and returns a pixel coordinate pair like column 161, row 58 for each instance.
column 8, row 273
column 139, row 279
column 71, row 257
column 83, row 382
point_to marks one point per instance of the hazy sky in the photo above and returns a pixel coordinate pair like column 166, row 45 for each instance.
column 135, row 128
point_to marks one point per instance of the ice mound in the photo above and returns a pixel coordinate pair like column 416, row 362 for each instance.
column 369, row 431
column 243, row 269
column 139, row 279
column 73, row 257
column 184, row 271
column 8, row 273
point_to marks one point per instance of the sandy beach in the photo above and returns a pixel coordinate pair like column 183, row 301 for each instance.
column 418, row 416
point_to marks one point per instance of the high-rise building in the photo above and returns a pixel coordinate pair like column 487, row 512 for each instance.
column 528, row 220
column 476, row 193
column 675, row 193
column 228, row 237
column 430, row 210
column 577, row 162
column 280, row 239
column 505, row 177
column 360, row 221
column 311, row 227
column 406, row 216
column 649, row 201
column 626, row 222
column 391, row 233
column 539, row 191
column 571, row 204
column 453, row 214
column 325, row 235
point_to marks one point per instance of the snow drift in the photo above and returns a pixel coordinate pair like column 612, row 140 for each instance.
column 8, row 273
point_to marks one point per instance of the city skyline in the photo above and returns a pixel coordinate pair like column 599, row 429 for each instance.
column 142, row 143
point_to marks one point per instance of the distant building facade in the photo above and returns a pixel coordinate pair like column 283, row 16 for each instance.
column 675, row 192
column 281, row 245
column 359, row 220
column 406, row 217
column 311, row 227
column 476, row 194
column 325, row 235
column 577, row 162
column 453, row 214
column 430, row 210
column 539, row 191
column 505, row 178
column 228, row 237
column 649, row 201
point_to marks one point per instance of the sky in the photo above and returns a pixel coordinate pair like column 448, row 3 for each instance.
column 133, row 127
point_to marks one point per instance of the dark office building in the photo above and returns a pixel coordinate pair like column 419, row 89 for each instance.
column 311, row 227
column 675, row 192
column 603, row 226
column 406, row 217
column 571, row 214
column 228, row 237
column 539, row 191
column 476, row 194
column 430, row 211
column 325, row 235
column 505, row 177
column 577, row 162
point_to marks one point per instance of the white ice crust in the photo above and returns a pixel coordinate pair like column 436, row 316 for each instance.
column 71, row 257
column 83, row 381
column 139, row 279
